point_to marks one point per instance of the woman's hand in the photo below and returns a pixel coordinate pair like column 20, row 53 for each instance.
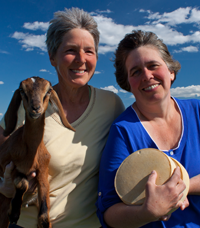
column 7, row 187
column 161, row 199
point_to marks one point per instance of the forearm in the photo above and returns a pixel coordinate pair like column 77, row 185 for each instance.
column 121, row 215
column 194, row 185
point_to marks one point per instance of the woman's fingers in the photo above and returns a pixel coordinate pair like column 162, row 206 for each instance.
column 8, row 185
column 32, row 182
column 161, row 199
column 8, row 170
column 184, row 204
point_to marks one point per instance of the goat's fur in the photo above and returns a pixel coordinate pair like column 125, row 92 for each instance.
column 25, row 147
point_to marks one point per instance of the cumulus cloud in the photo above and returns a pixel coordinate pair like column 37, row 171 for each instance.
column 123, row 91
column 110, row 88
column 187, row 49
column 186, row 92
column 164, row 25
column 44, row 70
column 97, row 72
column 1, row 83
column 36, row 25
column 104, row 11
column 1, row 114
column 29, row 41
column 4, row 52
column 179, row 16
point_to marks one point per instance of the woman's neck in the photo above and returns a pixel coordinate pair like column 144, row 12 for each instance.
column 150, row 111
column 73, row 100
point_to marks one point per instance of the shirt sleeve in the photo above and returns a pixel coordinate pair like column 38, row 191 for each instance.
column 116, row 150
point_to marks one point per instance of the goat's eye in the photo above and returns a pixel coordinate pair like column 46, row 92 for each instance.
column 49, row 91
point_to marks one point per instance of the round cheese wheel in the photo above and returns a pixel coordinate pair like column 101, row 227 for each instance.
column 133, row 173
column 184, row 177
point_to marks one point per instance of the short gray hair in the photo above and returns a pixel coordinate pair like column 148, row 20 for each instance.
column 67, row 20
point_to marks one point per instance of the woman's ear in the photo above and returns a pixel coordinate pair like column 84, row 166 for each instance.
column 172, row 75
column 52, row 60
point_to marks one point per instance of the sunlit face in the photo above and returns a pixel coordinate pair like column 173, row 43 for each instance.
column 76, row 58
column 148, row 75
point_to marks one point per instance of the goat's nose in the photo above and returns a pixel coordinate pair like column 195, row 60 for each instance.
column 35, row 108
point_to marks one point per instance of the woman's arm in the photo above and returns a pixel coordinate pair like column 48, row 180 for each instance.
column 194, row 185
column 160, row 200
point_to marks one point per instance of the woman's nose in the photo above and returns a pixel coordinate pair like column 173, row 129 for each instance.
column 147, row 74
column 80, row 57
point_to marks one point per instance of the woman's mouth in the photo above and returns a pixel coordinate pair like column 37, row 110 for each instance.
column 151, row 87
column 79, row 71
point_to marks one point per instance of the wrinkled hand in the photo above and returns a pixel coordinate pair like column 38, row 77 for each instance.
column 161, row 199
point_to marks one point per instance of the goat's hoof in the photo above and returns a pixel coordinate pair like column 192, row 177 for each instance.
column 13, row 218
column 43, row 222
column 13, row 215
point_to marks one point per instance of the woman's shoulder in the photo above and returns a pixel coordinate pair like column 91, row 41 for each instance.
column 108, row 99
column 188, row 102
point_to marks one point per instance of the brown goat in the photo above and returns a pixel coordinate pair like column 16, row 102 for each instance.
column 25, row 147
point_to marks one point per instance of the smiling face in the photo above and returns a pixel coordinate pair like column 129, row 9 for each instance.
column 75, row 60
column 148, row 75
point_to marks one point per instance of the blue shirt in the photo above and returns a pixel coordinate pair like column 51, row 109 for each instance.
column 127, row 135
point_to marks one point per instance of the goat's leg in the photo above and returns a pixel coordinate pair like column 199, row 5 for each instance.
column 4, row 207
column 21, row 184
column 43, row 198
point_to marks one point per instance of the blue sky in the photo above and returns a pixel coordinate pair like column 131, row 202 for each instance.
column 24, row 23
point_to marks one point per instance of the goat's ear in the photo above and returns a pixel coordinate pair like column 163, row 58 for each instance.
column 11, row 114
column 54, row 99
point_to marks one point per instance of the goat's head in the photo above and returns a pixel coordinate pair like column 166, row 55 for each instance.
column 36, row 93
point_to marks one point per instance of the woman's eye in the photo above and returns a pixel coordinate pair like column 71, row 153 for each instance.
column 153, row 66
column 70, row 50
column 90, row 52
column 135, row 73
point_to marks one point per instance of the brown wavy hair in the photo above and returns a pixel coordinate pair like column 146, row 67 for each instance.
column 134, row 40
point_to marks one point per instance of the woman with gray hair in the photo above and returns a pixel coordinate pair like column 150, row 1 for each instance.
column 155, row 120
column 72, row 43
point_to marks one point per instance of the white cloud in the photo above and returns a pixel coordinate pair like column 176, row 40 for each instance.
column 104, row 49
column 45, row 71
column 36, row 25
column 164, row 25
column 1, row 83
column 97, row 72
column 178, row 16
column 1, row 114
column 29, row 41
column 187, row 92
column 4, row 52
column 187, row 49
column 123, row 91
column 104, row 11
column 110, row 88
